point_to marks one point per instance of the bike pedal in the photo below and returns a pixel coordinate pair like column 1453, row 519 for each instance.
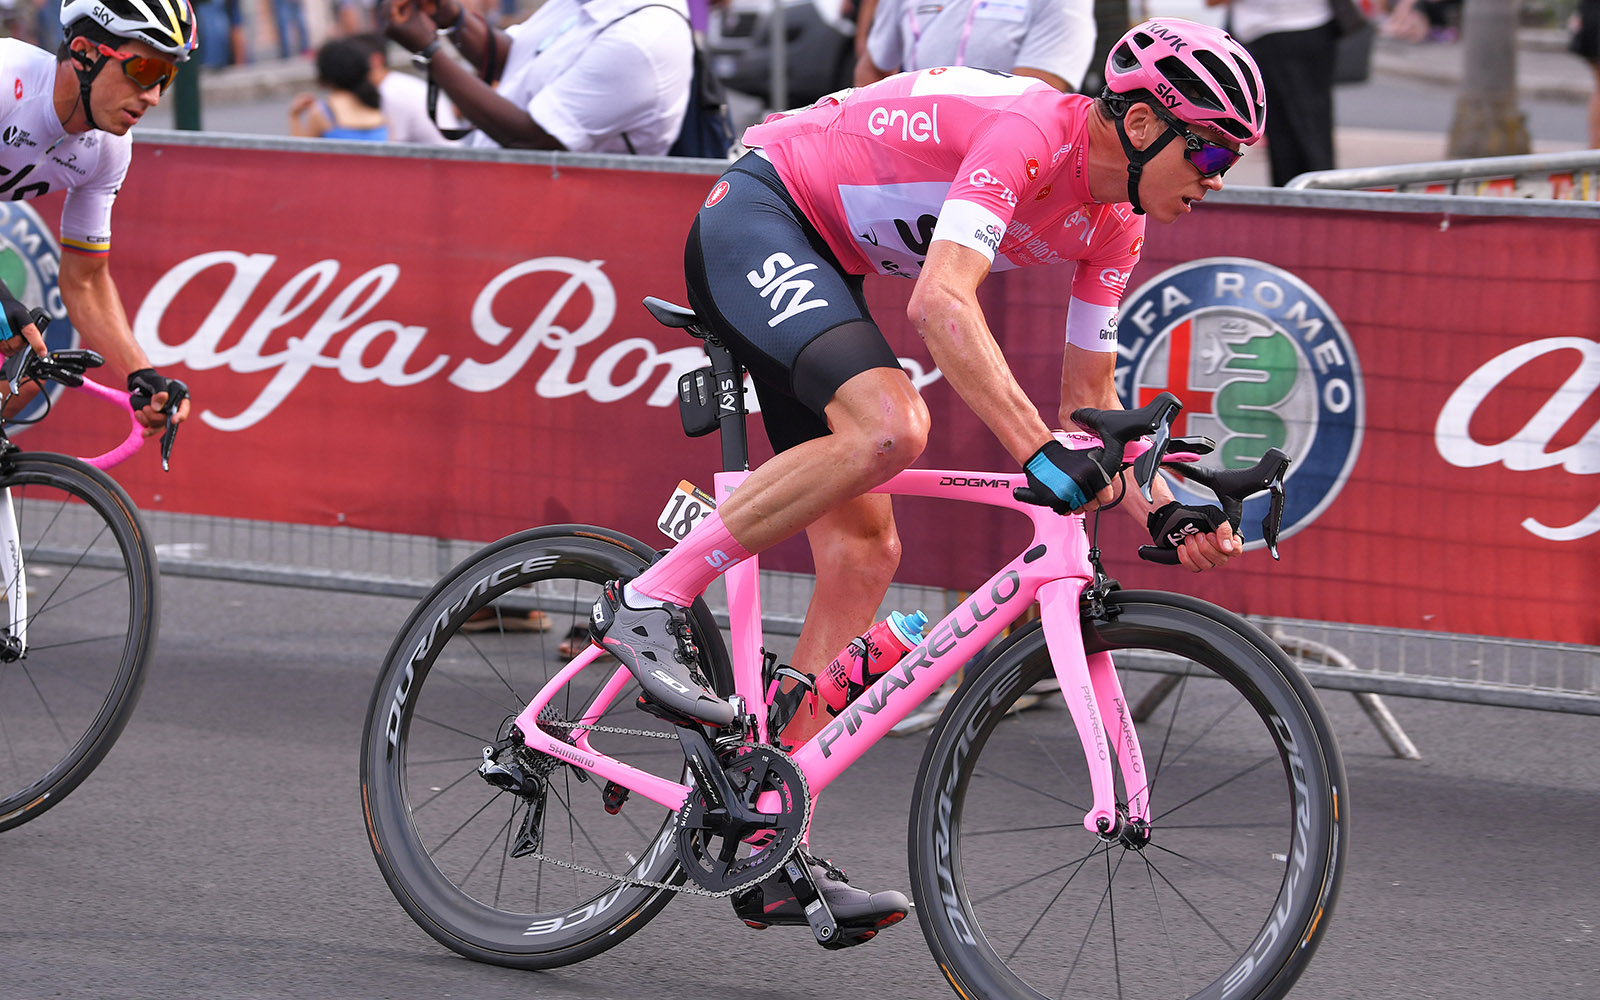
column 823, row 927
column 615, row 795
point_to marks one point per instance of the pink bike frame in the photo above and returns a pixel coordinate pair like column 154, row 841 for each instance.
column 1054, row 569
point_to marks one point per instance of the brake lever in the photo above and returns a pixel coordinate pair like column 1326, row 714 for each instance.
column 177, row 392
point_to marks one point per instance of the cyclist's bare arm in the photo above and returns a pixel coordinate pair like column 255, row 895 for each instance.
column 96, row 311
column 945, row 312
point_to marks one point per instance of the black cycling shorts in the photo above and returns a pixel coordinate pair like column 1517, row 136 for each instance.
column 761, row 276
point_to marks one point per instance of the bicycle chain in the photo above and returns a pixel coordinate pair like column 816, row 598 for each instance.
column 687, row 886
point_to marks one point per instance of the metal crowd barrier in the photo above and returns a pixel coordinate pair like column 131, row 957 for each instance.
column 1570, row 176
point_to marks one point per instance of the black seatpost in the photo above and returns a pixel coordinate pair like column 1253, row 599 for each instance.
column 728, row 377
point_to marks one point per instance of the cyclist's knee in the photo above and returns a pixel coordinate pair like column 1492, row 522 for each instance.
column 885, row 419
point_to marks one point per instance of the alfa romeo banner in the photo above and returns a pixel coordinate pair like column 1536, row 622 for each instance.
column 456, row 348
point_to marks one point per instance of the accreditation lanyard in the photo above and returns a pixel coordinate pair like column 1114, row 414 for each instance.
column 966, row 30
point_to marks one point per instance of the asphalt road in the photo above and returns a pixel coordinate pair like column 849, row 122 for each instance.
column 219, row 850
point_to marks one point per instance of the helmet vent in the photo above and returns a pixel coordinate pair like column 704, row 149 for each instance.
column 1184, row 80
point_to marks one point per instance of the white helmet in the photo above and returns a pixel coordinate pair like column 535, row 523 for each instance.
column 165, row 25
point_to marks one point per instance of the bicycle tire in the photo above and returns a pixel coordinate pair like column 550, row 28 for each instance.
column 1017, row 899
column 89, row 564
column 445, row 850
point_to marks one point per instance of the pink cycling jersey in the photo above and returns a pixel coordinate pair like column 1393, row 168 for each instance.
column 993, row 162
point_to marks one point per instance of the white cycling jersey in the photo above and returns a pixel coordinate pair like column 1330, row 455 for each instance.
column 37, row 155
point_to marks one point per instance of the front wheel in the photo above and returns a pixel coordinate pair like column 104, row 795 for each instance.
column 453, row 846
column 79, row 610
column 1249, row 824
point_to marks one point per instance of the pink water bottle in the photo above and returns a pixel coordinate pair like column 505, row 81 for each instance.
column 867, row 656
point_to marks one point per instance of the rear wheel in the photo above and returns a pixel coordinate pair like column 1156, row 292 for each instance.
column 80, row 606
column 468, row 660
column 1231, row 893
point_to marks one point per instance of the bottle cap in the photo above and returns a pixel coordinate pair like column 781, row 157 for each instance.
column 908, row 627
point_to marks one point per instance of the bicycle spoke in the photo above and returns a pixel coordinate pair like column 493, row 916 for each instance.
column 1190, row 904
column 1224, row 782
column 419, row 806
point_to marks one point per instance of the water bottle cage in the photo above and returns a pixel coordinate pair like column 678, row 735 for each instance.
column 782, row 705
column 858, row 681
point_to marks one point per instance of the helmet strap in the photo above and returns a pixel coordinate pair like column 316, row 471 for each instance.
column 1137, row 158
column 87, row 70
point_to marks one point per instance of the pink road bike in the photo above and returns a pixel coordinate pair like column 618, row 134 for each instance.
column 79, row 595
column 1179, row 832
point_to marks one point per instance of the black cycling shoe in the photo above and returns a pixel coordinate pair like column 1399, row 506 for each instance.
column 657, row 647
column 860, row 914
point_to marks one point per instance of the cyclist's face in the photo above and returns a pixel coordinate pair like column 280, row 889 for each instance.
column 119, row 101
column 1170, row 185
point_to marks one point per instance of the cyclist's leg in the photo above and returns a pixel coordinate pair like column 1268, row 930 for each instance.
column 856, row 551
column 813, row 341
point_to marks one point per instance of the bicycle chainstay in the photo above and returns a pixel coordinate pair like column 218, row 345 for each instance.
column 688, row 886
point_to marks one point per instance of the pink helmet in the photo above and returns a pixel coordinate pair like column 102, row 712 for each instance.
column 1196, row 72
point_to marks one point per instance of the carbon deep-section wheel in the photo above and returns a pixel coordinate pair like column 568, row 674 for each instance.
column 80, row 608
column 514, row 870
column 1227, row 893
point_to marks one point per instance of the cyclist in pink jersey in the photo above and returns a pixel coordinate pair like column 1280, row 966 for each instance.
column 939, row 176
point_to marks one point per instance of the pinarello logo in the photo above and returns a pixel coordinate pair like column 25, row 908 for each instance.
column 1259, row 361
column 717, row 193
column 30, row 259
column 1033, row 168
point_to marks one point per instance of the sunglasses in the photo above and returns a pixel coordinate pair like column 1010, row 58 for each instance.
column 146, row 71
column 1210, row 158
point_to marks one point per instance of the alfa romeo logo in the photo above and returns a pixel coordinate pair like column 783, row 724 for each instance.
column 30, row 259
column 1259, row 361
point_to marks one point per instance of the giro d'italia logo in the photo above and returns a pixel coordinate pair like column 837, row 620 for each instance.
column 1259, row 361
column 30, row 259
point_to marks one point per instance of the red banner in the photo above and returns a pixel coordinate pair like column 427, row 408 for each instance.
column 456, row 348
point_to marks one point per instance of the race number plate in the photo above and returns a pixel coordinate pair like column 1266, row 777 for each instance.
column 685, row 508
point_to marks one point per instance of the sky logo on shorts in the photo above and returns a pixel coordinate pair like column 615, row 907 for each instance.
column 1259, row 361
column 779, row 277
column 30, row 259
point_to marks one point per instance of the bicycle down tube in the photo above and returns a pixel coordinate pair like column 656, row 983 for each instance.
column 1052, row 569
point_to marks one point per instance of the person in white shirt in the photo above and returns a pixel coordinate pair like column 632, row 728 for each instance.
column 603, row 76
column 403, row 97
column 1052, row 40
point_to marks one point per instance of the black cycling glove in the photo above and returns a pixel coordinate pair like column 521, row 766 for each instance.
column 1171, row 523
column 143, row 385
column 1063, row 479
column 16, row 315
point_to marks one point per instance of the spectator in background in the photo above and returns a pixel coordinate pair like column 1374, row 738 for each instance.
column 1586, row 43
column 1295, row 44
column 403, row 98
column 351, row 110
column 605, row 76
column 1049, row 39
column 290, row 18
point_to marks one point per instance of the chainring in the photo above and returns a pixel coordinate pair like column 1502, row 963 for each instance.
column 722, row 857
